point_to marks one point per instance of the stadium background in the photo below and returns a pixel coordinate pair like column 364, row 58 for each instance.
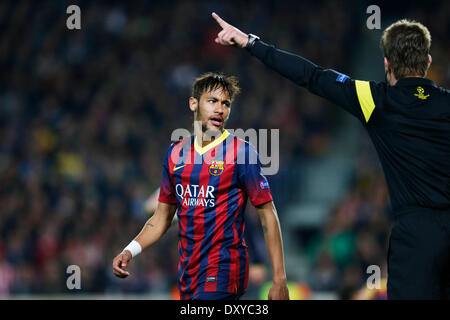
column 86, row 117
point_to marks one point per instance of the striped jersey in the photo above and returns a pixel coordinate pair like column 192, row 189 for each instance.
column 210, row 186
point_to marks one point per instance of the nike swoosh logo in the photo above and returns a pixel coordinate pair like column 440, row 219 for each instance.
column 176, row 168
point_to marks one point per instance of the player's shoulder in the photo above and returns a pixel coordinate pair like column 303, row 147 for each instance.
column 179, row 144
column 244, row 146
column 246, row 152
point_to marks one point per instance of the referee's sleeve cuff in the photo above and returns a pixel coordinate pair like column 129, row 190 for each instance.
column 259, row 49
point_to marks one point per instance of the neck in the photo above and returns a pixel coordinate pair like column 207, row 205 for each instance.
column 204, row 137
column 413, row 76
column 393, row 80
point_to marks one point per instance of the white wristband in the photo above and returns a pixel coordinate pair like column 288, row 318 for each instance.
column 134, row 247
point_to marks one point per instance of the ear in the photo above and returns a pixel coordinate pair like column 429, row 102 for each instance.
column 387, row 65
column 429, row 60
column 193, row 104
column 228, row 116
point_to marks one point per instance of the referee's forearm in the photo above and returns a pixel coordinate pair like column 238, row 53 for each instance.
column 291, row 66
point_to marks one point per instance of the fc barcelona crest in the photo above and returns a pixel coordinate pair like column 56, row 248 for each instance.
column 216, row 168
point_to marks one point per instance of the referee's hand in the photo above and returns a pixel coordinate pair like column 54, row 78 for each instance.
column 230, row 36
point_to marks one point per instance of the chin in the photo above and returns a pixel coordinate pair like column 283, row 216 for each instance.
column 215, row 130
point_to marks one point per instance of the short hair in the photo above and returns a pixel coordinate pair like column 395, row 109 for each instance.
column 213, row 80
column 406, row 44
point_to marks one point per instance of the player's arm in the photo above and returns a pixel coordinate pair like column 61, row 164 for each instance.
column 353, row 96
column 256, row 186
column 151, row 203
column 152, row 231
column 156, row 226
column 272, row 234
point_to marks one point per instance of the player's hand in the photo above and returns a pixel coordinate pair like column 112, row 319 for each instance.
column 279, row 291
column 230, row 36
column 120, row 263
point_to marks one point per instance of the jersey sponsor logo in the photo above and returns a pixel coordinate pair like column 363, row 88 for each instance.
column 216, row 168
column 211, row 279
column 264, row 184
column 420, row 93
column 341, row 78
column 195, row 195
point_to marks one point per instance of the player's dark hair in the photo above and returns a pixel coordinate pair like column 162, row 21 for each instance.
column 406, row 45
column 213, row 80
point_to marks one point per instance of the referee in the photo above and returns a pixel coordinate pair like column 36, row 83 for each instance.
column 408, row 121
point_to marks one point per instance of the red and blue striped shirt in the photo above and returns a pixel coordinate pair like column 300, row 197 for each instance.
column 210, row 186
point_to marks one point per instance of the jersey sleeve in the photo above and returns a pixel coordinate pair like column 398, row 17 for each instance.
column 167, row 189
column 251, row 178
column 354, row 96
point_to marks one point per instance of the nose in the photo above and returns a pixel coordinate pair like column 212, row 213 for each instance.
column 219, row 108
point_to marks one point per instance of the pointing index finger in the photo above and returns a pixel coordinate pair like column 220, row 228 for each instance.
column 219, row 20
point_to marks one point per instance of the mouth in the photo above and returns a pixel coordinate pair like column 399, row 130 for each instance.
column 216, row 121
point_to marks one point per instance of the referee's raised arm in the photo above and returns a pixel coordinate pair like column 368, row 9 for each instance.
column 327, row 83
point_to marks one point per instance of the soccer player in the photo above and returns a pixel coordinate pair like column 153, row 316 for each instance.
column 408, row 121
column 207, row 179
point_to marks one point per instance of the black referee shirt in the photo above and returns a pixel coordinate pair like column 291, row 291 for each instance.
column 409, row 124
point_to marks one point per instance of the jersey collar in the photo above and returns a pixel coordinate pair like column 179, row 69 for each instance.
column 201, row 150
column 404, row 82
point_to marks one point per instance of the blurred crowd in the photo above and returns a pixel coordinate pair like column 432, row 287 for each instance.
column 86, row 117
column 354, row 238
